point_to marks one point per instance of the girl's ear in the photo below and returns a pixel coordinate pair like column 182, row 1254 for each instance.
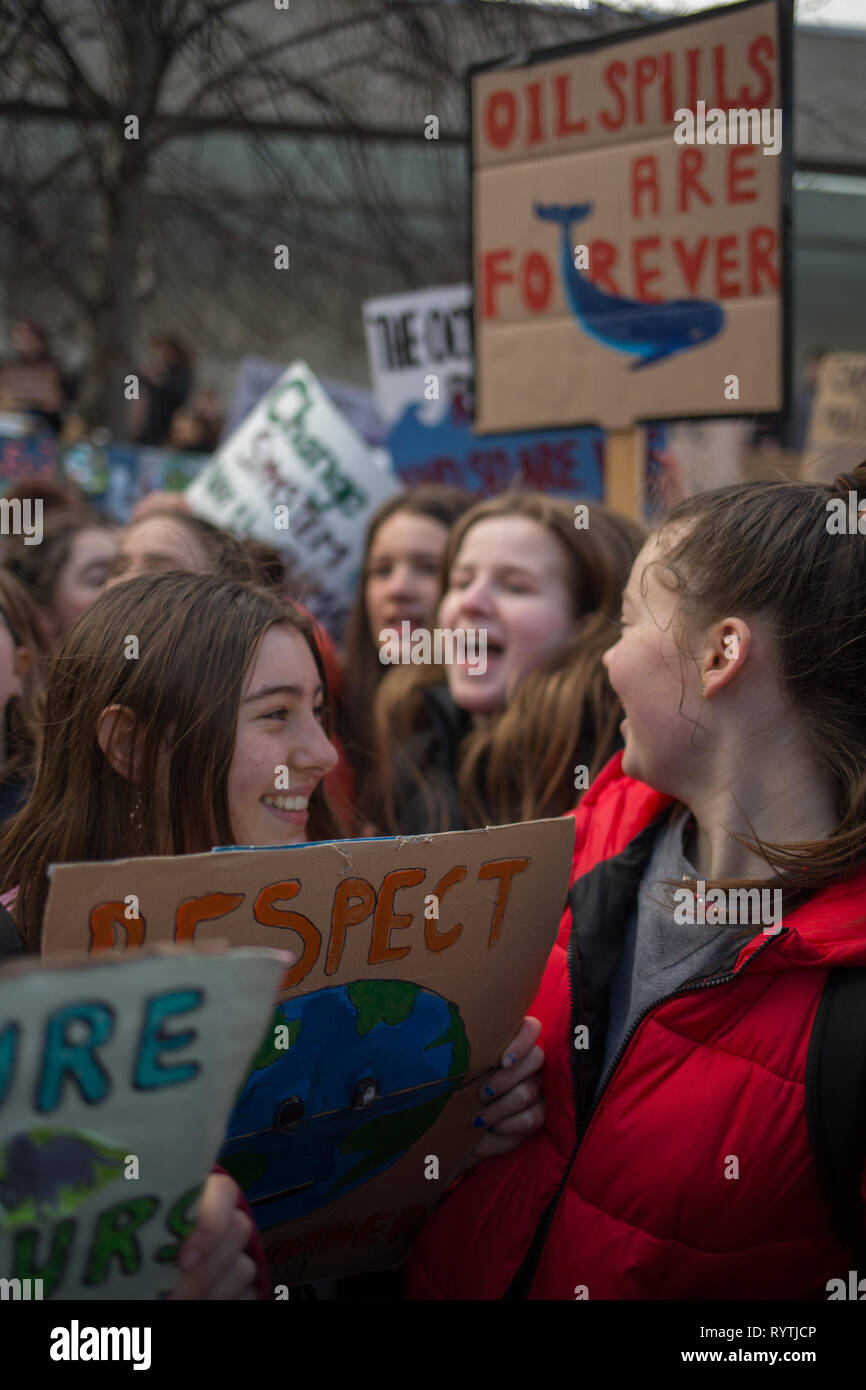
column 20, row 666
column 115, row 734
column 729, row 644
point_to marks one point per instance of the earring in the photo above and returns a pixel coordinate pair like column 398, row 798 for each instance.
column 136, row 817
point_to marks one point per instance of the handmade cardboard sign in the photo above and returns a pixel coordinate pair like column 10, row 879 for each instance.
column 416, row 960
column 630, row 244
column 419, row 346
column 836, row 442
column 296, row 475
column 256, row 376
column 117, row 1075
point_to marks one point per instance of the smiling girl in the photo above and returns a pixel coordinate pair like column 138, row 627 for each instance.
column 503, row 742
column 682, row 1156
column 180, row 744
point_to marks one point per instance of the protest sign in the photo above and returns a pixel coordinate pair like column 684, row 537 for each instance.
column 256, row 376
column 416, row 960
column 836, row 441
column 684, row 457
column 31, row 457
column 116, row 1079
column 420, row 349
column 297, row 476
column 630, row 225
column 420, row 352
column 448, row 451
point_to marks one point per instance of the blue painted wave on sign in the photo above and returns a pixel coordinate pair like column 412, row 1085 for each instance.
column 556, row 461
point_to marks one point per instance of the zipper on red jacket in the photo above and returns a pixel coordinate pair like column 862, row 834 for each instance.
column 522, row 1282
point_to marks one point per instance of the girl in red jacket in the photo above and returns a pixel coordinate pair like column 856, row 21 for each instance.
column 719, row 877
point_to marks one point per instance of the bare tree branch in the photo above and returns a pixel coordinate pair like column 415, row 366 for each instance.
column 76, row 81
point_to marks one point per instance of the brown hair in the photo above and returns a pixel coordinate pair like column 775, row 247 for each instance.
column 363, row 670
column 519, row 763
column 197, row 637
column 23, row 714
column 38, row 567
column 225, row 557
column 765, row 550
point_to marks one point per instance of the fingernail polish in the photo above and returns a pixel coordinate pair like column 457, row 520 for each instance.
column 487, row 1092
column 479, row 1122
column 510, row 1059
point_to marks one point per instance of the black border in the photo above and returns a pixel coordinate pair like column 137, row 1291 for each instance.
column 785, row 22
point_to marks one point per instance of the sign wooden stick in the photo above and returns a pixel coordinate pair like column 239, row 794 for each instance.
column 623, row 475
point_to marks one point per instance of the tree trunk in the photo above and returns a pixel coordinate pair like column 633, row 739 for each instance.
column 114, row 323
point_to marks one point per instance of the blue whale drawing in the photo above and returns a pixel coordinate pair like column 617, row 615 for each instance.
column 653, row 332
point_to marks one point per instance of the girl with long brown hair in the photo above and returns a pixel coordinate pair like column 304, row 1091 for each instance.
column 171, row 753
column 22, row 660
column 540, row 581
column 400, row 583
column 170, row 745
column 705, row 1043
column 67, row 571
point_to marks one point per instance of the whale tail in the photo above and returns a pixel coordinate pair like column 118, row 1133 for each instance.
column 564, row 215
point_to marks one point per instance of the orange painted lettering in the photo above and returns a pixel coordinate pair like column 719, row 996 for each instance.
column 353, row 901
column 505, row 870
column 387, row 920
column 434, row 939
column 105, row 918
column 267, row 915
column 204, row 909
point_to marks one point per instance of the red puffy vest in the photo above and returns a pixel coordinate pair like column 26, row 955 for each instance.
column 692, row 1175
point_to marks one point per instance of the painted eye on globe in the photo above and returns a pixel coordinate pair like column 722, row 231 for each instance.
column 289, row 1114
column 366, row 1092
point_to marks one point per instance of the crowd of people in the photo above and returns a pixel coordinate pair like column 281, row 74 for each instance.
column 732, row 639
column 166, row 411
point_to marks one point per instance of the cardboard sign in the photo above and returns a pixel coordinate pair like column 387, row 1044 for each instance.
column 836, row 442
column 685, row 457
column 628, row 263
column 417, row 958
column 449, row 451
column 297, row 476
column 116, row 1078
column 418, row 344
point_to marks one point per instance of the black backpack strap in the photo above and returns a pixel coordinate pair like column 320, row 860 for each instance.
column 10, row 942
column 836, row 1100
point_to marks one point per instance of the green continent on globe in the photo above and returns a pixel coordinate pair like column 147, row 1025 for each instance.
column 387, row 1135
column 269, row 1051
column 381, row 1001
column 455, row 1034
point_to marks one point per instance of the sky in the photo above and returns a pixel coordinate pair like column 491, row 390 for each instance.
column 832, row 14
